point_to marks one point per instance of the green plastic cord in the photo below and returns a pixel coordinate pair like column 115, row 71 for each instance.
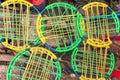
column 101, row 22
column 18, row 24
column 60, row 27
column 92, row 62
column 35, row 64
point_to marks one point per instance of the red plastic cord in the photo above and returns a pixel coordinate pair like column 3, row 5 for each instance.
column 117, row 38
column 115, row 73
column 36, row 2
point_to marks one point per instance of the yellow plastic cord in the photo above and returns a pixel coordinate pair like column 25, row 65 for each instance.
column 44, row 62
column 39, row 31
column 97, row 24
column 84, row 78
column 59, row 22
column 98, row 42
column 60, row 29
column 16, row 24
column 93, row 62
column 93, row 4
column 24, row 2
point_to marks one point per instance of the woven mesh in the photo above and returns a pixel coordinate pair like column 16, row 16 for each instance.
column 101, row 21
column 91, row 62
column 18, row 24
column 36, row 64
column 60, row 28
